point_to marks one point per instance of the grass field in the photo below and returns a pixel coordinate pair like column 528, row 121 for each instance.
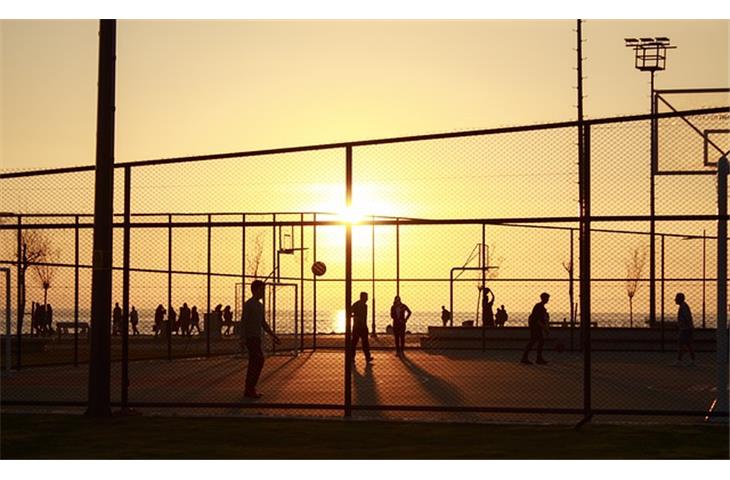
column 78, row 437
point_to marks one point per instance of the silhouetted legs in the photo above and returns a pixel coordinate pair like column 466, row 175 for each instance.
column 536, row 337
column 255, row 364
column 357, row 334
column 399, row 332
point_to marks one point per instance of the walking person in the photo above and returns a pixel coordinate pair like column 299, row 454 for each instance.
column 538, row 322
column 487, row 311
column 185, row 320
column 134, row 320
column 359, row 313
column 400, row 313
column 445, row 316
column 253, row 321
column 684, row 323
column 116, row 319
column 194, row 320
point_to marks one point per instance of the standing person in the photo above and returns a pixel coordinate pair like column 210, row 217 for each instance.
column 185, row 319
column 359, row 313
column 194, row 320
column 400, row 313
column 134, row 320
column 538, row 322
column 445, row 316
column 159, row 319
column 684, row 323
column 487, row 311
column 49, row 318
column 116, row 319
column 501, row 316
column 172, row 320
column 253, row 321
column 227, row 319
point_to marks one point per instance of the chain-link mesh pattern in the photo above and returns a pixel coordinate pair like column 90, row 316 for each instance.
column 202, row 231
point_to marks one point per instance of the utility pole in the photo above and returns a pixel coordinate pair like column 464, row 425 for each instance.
column 101, row 276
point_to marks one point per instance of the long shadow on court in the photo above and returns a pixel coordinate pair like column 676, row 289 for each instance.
column 366, row 390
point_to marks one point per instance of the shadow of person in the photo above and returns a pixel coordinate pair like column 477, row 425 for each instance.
column 366, row 391
column 443, row 392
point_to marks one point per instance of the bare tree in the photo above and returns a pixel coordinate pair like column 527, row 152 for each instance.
column 253, row 258
column 569, row 266
column 45, row 270
column 634, row 271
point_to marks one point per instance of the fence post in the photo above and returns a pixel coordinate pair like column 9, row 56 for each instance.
column 8, row 326
column 349, row 353
column 101, row 277
column 301, row 281
column 21, row 294
column 169, row 287
column 314, row 285
column 125, row 289
column 585, row 266
column 76, row 293
column 206, row 317
column 721, row 332
column 662, row 295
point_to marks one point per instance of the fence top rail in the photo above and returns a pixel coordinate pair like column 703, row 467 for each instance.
column 364, row 143
column 537, row 222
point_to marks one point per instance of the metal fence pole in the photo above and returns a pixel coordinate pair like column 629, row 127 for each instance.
column 21, row 294
column 722, row 306
column 207, row 321
column 397, row 257
column 662, row 294
column 76, row 292
column 349, row 353
column 239, row 315
column 125, row 288
column 314, row 285
column 374, row 333
column 101, row 278
column 585, row 268
column 274, row 259
column 169, row 287
column 8, row 326
column 301, row 281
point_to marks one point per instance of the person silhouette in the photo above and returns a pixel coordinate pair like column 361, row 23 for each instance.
column 194, row 320
column 538, row 323
column 159, row 319
column 445, row 316
column 134, row 320
column 684, row 323
column 400, row 313
column 253, row 321
column 501, row 316
column 359, row 313
column 116, row 319
column 227, row 319
column 185, row 319
column 172, row 320
column 487, row 312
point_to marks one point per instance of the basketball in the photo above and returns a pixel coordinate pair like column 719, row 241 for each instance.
column 319, row 268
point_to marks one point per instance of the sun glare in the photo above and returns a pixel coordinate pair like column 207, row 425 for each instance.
column 339, row 321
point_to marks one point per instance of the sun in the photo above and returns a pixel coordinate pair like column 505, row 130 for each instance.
column 339, row 324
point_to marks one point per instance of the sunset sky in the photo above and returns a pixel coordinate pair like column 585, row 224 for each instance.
column 201, row 87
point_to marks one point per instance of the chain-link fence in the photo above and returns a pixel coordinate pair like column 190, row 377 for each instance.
column 467, row 229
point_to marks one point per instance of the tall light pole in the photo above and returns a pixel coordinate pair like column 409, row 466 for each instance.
column 650, row 55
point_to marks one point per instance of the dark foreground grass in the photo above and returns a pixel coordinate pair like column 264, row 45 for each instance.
column 78, row 437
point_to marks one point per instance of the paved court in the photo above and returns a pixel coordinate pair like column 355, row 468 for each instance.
column 621, row 380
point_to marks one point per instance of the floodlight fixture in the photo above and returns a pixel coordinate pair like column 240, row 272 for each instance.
column 650, row 53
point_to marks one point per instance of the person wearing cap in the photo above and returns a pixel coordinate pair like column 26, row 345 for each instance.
column 538, row 323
